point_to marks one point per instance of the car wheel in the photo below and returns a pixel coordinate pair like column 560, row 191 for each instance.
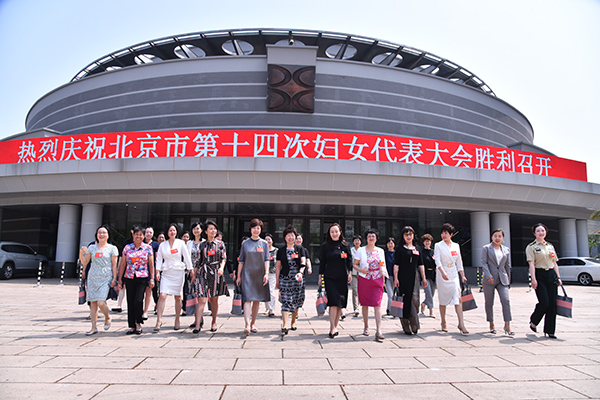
column 585, row 279
column 8, row 270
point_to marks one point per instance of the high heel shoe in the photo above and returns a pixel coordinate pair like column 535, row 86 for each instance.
column 493, row 331
column 444, row 328
column 550, row 335
column 284, row 331
column 532, row 327
column 509, row 333
column 463, row 330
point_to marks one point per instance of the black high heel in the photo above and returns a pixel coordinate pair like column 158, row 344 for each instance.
column 550, row 335
column 533, row 328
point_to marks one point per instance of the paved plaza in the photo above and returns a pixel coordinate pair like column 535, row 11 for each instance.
column 44, row 354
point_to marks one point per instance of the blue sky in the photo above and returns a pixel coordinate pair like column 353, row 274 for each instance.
column 541, row 57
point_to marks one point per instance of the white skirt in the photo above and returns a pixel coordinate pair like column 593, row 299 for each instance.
column 448, row 291
column 171, row 281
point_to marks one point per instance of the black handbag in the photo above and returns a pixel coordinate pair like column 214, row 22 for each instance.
column 564, row 304
column 467, row 299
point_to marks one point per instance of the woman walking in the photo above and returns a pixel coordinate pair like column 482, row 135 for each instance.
column 336, row 271
column 429, row 264
column 449, row 266
column 136, row 270
column 209, row 267
column 172, row 259
column 369, row 262
column 101, row 275
column 545, row 280
column 194, row 250
column 270, row 305
column 253, row 275
column 290, row 266
column 495, row 259
column 408, row 262
column 389, row 264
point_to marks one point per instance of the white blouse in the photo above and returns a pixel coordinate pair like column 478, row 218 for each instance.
column 168, row 257
column 361, row 255
column 448, row 256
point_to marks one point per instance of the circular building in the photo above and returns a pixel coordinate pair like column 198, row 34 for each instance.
column 294, row 127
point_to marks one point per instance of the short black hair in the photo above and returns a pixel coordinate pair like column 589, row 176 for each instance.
column 448, row 228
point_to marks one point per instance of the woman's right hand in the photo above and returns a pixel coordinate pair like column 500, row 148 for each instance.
column 533, row 283
column 82, row 251
column 445, row 276
column 396, row 283
column 491, row 280
column 157, row 276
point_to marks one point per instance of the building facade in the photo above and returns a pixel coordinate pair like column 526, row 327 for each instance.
column 294, row 127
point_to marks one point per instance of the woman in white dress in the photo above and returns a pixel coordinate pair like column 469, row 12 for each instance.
column 170, row 272
column 449, row 266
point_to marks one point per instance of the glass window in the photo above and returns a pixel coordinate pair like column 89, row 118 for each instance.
column 280, row 224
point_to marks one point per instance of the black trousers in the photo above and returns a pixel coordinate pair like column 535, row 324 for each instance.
column 136, row 288
column 546, row 292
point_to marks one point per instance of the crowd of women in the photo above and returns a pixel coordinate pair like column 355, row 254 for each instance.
column 196, row 264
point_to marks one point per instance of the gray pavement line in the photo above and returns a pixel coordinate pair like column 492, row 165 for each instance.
column 493, row 377
column 455, row 387
column 66, row 376
column 329, row 362
column 234, row 364
column 571, row 389
column 175, row 377
column 101, row 390
column 343, row 391
column 389, row 377
column 138, row 364
column 581, row 372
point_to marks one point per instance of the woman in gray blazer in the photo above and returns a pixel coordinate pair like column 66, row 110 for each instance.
column 495, row 259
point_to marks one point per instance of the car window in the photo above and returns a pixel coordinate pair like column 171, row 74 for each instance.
column 26, row 250
column 579, row 262
column 10, row 248
column 595, row 261
column 565, row 261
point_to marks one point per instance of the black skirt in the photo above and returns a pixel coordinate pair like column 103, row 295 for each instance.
column 337, row 292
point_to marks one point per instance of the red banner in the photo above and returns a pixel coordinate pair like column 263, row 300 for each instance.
column 287, row 144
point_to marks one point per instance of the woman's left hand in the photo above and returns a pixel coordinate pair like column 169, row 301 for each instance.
column 464, row 279
column 151, row 284
column 559, row 282
column 424, row 283
column 266, row 279
column 350, row 278
column 220, row 272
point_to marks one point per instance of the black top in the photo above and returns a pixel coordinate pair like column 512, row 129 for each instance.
column 408, row 262
column 389, row 262
column 282, row 257
column 429, row 264
column 336, row 260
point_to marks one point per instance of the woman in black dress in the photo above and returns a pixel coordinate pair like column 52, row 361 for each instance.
column 429, row 263
column 336, row 271
column 407, row 260
column 210, row 282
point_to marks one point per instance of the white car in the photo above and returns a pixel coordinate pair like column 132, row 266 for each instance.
column 584, row 270
column 18, row 257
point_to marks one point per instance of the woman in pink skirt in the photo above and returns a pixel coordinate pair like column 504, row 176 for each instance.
column 370, row 264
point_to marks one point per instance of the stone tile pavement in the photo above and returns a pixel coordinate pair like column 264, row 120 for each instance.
column 44, row 354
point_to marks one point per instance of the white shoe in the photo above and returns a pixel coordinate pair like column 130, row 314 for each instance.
column 92, row 332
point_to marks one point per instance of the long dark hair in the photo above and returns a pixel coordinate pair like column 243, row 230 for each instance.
column 329, row 240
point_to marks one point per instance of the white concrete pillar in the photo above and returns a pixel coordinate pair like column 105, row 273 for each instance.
column 480, row 235
column 501, row 221
column 91, row 219
column 567, row 234
column 68, row 233
column 1, row 209
column 583, row 247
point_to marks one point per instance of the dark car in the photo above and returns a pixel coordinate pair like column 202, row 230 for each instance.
column 18, row 258
column 584, row 270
